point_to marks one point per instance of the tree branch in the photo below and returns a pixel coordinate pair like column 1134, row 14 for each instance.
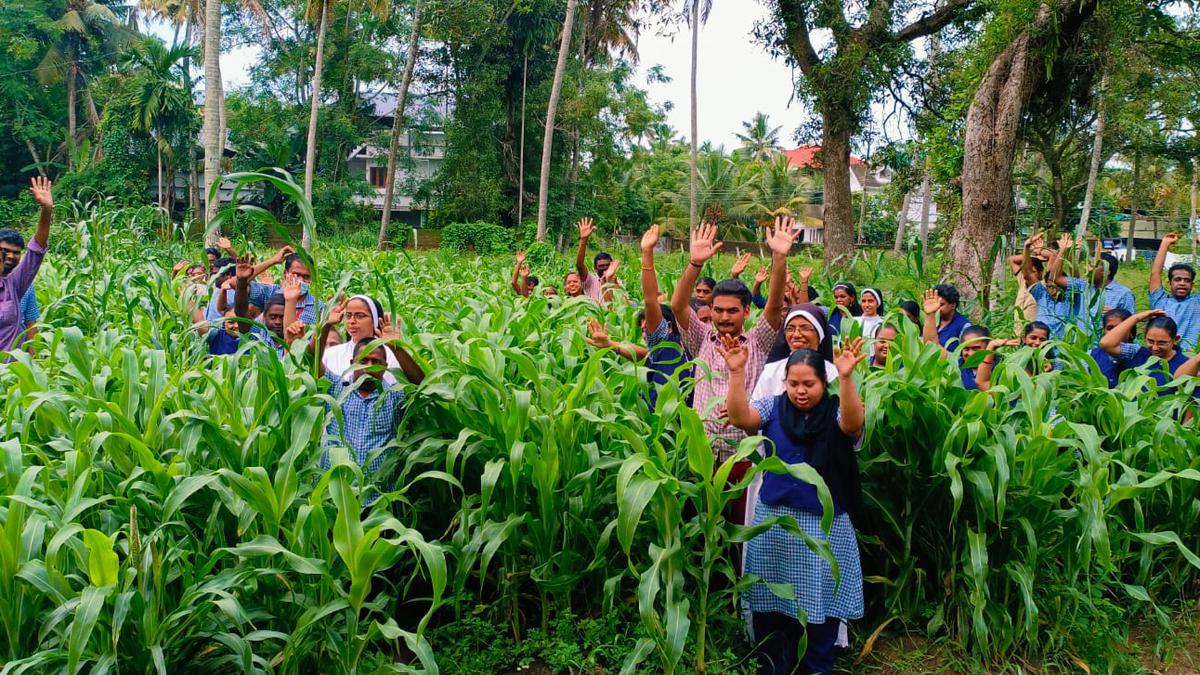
column 929, row 24
column 795, row 25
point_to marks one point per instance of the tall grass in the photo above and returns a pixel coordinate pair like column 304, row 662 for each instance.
column 162, row 511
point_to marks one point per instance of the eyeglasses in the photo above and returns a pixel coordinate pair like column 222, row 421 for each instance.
column 358, row 316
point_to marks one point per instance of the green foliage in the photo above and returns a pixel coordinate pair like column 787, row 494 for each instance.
column 483, row 238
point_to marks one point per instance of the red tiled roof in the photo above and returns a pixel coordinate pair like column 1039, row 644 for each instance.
column 804, row 157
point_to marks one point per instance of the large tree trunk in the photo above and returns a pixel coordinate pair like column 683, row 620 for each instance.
column 398, row 124
column 693, row 162
column 991, row 140
column 72, row 77
column 839, row 213
column 1094, row 169
column 901, row 221
column 521, row 150
column 310, row 153
column 560, row 68
column 212, row 106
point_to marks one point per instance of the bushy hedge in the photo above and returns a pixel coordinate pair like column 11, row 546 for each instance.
column 483, row 238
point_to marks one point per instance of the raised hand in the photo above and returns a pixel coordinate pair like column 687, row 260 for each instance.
column 294, row 331
column 1065, row 241
column 524, row 270
column 224, row 244
column 762, row 274
column 1150, row 314
column 1034, row 242
column 40, row 186
column 805, row 274
column 598, row 335
column 291, row 290
column 387, row 330
column 521, row 258
column 993, row 345
column 179, row 267
column 734, row 353
column 1169, row 239
column 586, row 227
column 930, row 302
column 848, row 357
column 284, row 252
column 783, row 235
column 337, row 311
column 650, row 239
column 245, row 269
column 739, row 265
column 610, row 274
column 702, row 246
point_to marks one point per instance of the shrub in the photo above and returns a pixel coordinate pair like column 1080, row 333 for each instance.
column 484, row 238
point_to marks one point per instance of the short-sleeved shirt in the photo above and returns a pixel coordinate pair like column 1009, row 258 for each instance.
column 953, row 330
column 1186, row 314
column 1133, row 355
column 593, row 288
column 307, row 309
column 1117, row 296
column 211, row 313
column 701, row 340
column 13, row 287
column 220, row 342
column 261, row 334
column 1106, row 365
column 369, row 422
column 1067, row 308
column 30, row 312
column 664, row 359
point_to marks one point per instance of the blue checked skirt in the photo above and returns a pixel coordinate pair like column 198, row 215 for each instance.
column 778, row 557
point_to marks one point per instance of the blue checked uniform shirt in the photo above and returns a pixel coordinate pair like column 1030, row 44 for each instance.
column 306, row 310
column 1186, row 313
column 369, row 423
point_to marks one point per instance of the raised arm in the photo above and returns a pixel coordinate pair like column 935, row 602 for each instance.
column 586, row 227
column 598, row 338
column 274, row 260
column 650, row 280
column 805, row 277
column 930, row 303
column 609, row 280
column 780, row 240
column 1160, row 260
column 518, row 281
column 291, row 298
column 983, row 374
column 1054, row 272
column 391, row 336
column 1111, row 341
column 40, row 186
column 739, row 266
column 1027, row 271
column 741, row 414
column 317, row 346
column 760, row 276
column 241, row 293
column 702, row 248
column 1189, row 368
column 853, row 415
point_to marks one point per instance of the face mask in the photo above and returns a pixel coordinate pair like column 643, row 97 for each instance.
column 304, row 287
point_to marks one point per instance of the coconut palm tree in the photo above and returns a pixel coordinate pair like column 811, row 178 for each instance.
column 87, row 33
column 696, row 12
column 560, row 68
column 159, row 97
column 759, row 140
column 775, row 188
column 213, row 141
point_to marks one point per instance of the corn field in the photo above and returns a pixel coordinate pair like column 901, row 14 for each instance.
column 163, row 512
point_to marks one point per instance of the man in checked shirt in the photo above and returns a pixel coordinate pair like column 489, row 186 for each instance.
column 730, row 310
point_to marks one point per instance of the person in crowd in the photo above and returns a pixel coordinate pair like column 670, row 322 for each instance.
column 308, row 308
column 970, row 340
column 913, row 311
column 1116, row 296
column 520, row 277
column 871, row 302
column 270, row 330
column 730, row 309
column 572, row 285
column 804, row 327
column 1035, row 334
column 845, row 303
column 884, row 338
column 740, row 264
column 1160, row 345
column 1026, row 306
column 223, row 249
column 756, row 297
column 18, row 280
column 702, row 309
column 371, row 410
column 12, row 247
column 364, row 321
column 221, row 301
column 950, row 323
column 1068, row 299
column 1177, row 299
column 1105, row 363
column 805, row 424
column 704, row 289
column 598, row 283
column 226, row 340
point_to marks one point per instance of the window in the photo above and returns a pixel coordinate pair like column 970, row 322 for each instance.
column 377, row 175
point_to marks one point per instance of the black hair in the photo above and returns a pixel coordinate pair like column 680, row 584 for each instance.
column 696, row 304
column 213, row 251
column 855, row 308
column 601, row 256
column 948, row 293
column 974, row 330
column 781, row 350
column 290, row 260
column 202, row 268
column 276, row 299
column 667, row 315
column 1111, row 263
column 11, row 236
column 878, row 299
column 813, row 293
column 1116, row 313
column 1164, row 322
column 707, row 281
column 913, row 310
column 225, row 268
column 1037, row 265
column 734, row 288
column 887, row 326
column 532, row 281
column 1181, row 266
column 1035, row 325
column 808, row 358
